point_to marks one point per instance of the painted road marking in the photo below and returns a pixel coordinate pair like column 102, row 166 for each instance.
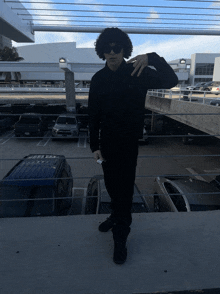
column 7, row 137
column 44, row 142
column 82, row 140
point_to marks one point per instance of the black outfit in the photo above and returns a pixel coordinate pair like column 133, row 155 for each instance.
column 116, row 119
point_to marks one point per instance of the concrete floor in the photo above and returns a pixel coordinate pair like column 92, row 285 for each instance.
column 166, row 252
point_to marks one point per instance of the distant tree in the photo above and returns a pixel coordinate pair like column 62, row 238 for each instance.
column 10, row 54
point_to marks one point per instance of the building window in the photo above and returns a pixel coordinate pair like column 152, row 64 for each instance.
column 204, row 69
column 198, row 80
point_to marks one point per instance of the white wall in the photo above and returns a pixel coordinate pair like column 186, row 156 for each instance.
column 51, row 52
column 216, row 74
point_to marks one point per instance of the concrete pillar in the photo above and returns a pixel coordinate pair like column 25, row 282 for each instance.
column 70, row 92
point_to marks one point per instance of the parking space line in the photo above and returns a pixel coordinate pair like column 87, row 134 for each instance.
column 196, row 175
column 9, row 136
column 81, row 141
column 44, row 142
column 6, row 135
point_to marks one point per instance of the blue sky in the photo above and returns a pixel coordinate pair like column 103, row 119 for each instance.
column 169, row 46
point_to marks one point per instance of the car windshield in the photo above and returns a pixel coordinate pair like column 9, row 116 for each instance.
column 67, row 120
column 176, row 197
column 29, row 120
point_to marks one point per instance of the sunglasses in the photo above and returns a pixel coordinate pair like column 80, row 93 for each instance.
column 117, row 49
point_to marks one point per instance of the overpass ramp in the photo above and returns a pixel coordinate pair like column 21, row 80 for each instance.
column 199, row 116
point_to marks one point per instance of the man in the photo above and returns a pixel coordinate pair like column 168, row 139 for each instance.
column 116, row 119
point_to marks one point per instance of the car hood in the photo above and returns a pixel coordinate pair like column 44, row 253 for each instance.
column 65, row 127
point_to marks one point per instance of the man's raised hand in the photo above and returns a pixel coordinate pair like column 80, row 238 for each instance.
column 139, row 63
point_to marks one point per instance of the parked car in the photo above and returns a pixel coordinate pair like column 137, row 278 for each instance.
column 207, row 86
column 5, row 108
column 98, row 200
column 215, row 89
column 20, row 108
column 215, row 102
column 50, row 120
column 6, row 123
column 66, row 126
column 37, row 186
column 188, row 134
column 30, row 124
column 184, row 193
column 195, row 87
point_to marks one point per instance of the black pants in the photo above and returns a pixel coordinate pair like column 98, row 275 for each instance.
column 119, row 170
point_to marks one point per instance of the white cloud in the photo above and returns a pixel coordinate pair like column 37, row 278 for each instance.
column 214, row 4
column 153, row 16
column 180, row 47
column 101, row 14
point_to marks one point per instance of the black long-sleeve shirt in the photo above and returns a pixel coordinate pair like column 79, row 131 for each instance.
column 117, row 99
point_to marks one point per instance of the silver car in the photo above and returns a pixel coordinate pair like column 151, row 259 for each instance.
column 183, row 193
column 66, row 126
column 215, row 89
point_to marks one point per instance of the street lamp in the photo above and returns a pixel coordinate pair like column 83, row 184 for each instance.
column 64, row 64
column 182, row 61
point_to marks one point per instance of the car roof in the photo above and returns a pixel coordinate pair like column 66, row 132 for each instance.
column 31, row 115
column 32, row 167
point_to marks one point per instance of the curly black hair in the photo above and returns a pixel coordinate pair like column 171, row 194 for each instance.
column 113, row 35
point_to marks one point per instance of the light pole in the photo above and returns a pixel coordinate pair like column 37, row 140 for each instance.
column 69, row 85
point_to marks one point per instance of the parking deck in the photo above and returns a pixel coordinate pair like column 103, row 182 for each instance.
column 166, row 252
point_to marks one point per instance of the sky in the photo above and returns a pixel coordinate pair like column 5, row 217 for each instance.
column 169, row 46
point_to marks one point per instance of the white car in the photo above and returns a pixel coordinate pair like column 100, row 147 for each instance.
column 66, row 126
column 215, row 89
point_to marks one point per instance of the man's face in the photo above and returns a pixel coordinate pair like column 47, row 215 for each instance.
column 114, row 55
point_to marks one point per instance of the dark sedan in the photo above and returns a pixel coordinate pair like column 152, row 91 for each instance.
column 215, row 102
column 183, row 193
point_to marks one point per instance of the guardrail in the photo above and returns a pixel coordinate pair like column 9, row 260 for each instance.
column 39, row 90
column 181, row 94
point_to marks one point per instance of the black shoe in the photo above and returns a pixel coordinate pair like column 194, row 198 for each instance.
column 107, row 224
column 120, row 252
column 120, row 234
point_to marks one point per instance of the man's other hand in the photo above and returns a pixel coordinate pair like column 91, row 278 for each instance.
column 98, row 155
column 139, row 63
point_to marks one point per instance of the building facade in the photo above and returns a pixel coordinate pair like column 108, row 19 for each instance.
column 202, row 67
column 52, row 52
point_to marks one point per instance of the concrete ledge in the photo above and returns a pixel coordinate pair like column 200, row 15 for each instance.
column 205, row 123
column 12, row 26
column 166, row 252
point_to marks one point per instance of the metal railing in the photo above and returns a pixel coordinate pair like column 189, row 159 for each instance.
column 183, row 94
